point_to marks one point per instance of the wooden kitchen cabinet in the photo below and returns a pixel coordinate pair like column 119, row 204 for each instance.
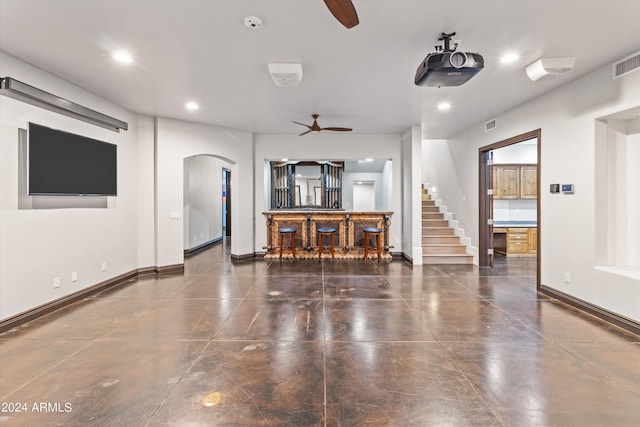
column 517, row 241
column 515, row 181
column 528, row 182
column 533, row 240
column 506, row 182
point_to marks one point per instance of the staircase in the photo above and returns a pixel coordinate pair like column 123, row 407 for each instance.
column 439, row 243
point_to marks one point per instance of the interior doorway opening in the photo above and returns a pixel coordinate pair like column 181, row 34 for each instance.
column 517, row 182
column 206, row 201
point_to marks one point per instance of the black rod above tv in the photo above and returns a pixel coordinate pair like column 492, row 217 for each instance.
column 23, row 92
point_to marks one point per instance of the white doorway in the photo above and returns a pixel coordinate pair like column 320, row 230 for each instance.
column 364, row 196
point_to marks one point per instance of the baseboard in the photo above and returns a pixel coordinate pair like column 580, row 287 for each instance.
column 615, row 319
column 147, row 270
column 245, row 257
column 170, row 269
column 192, row 251
column 57, row 304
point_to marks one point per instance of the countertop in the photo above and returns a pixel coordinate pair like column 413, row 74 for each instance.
column 508, row 224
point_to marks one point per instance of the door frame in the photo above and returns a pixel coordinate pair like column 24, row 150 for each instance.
column 485, row 200
column 227, row 179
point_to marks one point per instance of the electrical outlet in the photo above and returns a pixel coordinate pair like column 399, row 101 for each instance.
column 74, row 276
column 567, row 278
column 56, row 282
column 104, row 266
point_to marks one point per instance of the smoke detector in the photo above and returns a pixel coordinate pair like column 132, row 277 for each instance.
column 285, row 74
column 549, row 66
column 253, row 22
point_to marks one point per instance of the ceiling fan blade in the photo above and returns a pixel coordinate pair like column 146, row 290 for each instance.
column 344, row 11
column 304, row 133
column 298, row 123
column 338, row 129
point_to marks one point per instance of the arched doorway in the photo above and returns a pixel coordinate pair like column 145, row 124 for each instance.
column 206, row 201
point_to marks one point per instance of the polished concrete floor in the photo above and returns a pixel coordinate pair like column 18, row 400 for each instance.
column 315, row 344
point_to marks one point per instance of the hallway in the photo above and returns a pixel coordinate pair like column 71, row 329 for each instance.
column 314, row 344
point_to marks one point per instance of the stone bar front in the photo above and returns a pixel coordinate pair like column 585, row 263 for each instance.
column 348, row 239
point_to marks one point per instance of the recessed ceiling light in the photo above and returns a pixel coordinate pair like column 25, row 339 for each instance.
column 508, row 58
column 192, row 106
column 368, row 160
column 444, row 106
column 123, row 57
column 284, row 160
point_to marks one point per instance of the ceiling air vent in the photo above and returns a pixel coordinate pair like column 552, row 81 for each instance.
column 490, row 125
column 627, row 65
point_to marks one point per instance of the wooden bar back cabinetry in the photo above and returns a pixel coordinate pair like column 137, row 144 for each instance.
column 515, row 181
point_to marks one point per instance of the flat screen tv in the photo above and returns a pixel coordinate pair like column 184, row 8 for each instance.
column 63, row 163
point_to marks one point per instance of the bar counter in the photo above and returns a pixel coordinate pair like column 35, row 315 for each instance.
column 348, row 239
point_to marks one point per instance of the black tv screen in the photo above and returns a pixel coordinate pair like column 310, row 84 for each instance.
column 63, row 163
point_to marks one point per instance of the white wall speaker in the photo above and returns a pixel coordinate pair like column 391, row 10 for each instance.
column 549, row 67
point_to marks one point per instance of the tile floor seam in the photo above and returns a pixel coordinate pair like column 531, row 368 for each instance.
column 324, row 351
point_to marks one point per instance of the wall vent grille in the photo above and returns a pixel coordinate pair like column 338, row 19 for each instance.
column 627, row 65
column 490, row 125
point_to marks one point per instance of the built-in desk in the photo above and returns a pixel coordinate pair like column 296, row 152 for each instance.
column 515, row 238
column 349, row 237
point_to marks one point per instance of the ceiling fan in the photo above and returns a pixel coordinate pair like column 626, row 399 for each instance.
column 344, row 11
column 315, row 128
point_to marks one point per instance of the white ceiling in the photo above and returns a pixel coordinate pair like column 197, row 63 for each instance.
column 360, row 78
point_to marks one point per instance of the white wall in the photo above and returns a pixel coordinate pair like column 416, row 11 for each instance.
column 412, row 195
column 569, row 241
column 522, row 152
column 39, row 244
column 203, row 200
column 146, row 193
column 176, row 140
column 381, row 198
column 516, row 209
column 364, row 197
column 324, row 146
column 618, row 197
column 386, row 187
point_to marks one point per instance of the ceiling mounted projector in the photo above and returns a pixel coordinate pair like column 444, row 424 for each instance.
column 549, row 66
column 286, row 74
column 448, row 67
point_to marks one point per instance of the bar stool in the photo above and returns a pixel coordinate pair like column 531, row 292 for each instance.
column 325, row 231
column 374, row 231
column 291, row 232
